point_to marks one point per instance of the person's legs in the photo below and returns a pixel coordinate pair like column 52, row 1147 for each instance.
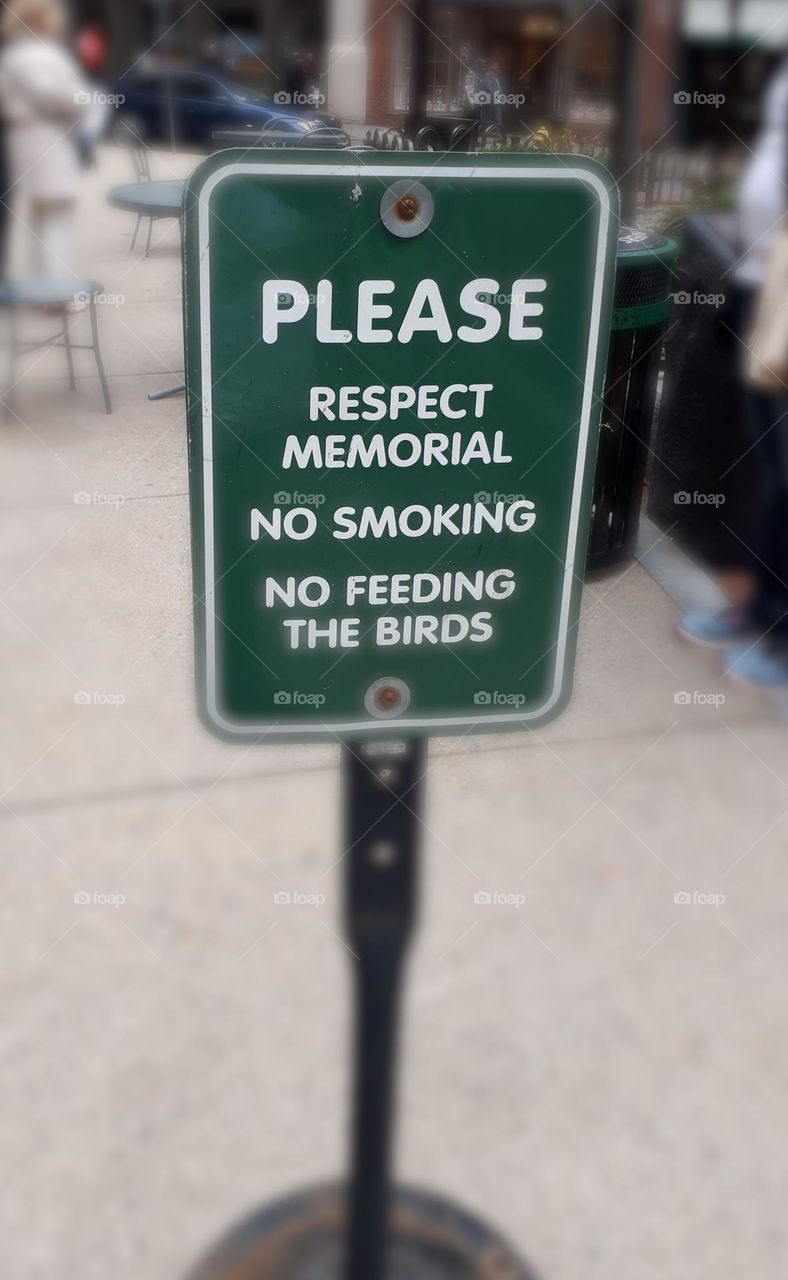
column 761, row 610
column 5, row 212
column 764, row 662
column 769, row 417
column 52, row 224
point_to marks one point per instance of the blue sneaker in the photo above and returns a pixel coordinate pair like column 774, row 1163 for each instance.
column 761, row 664
column 725, row 627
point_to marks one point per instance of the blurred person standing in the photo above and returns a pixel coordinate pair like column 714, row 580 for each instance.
column 5, row 215
column 312, row 77
column 494, row 93
column 43, row 98
column 754, row 629
column 295, row 76
column 473, row 84
column 91, row 49
column 301, row 81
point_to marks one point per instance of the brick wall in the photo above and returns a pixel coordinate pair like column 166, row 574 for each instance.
column 380, row 66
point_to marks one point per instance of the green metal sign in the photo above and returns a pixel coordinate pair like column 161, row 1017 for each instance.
column 394, row 367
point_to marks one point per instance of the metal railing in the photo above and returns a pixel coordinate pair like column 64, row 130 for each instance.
column 469, row 135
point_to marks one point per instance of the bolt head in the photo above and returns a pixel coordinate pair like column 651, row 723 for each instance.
column 407, row 208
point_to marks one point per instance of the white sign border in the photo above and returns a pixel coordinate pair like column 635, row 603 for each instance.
column 354, row 170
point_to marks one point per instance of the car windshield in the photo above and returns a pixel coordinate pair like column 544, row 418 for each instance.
column 244, row 93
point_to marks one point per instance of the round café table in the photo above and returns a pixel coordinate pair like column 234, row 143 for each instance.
column 154, row 200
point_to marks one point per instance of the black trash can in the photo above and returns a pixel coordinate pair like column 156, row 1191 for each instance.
column 640, row 310
column 703, row 440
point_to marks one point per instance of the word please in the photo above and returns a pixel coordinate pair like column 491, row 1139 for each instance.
column 287, row 302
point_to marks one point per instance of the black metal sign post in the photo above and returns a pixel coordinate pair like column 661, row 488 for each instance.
column 388, row 1234
column 383, row 786
column 365, row 1228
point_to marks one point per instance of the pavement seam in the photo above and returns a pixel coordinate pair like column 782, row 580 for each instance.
column 154, row 790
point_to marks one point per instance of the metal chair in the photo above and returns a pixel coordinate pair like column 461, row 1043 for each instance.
column 428, row 139
column 464, row 136
column 51, row 295
column 129, row 136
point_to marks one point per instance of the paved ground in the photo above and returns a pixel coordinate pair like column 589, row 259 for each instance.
column 600, row 1069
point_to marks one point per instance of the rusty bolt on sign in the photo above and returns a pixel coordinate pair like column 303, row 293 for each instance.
column 387, row 697
column 407, row 209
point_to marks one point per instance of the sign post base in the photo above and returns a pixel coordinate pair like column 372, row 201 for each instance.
column 303, row 1238
column 367, row 1230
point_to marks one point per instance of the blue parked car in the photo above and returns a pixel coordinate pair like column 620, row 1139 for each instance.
column 190, row 106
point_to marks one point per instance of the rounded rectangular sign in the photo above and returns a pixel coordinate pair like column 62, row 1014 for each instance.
column 394, row 367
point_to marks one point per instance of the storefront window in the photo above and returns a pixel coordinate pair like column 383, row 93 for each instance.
column 403, row 60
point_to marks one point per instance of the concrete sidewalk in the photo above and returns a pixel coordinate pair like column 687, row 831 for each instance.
column 596, row 1064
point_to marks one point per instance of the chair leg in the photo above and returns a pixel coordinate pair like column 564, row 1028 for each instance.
column 8, row 394
column 136, row 231
column 97, row 351
column 150, row 233
column 72, row 382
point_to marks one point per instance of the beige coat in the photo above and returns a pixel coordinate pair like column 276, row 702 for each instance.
column 42, row 99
